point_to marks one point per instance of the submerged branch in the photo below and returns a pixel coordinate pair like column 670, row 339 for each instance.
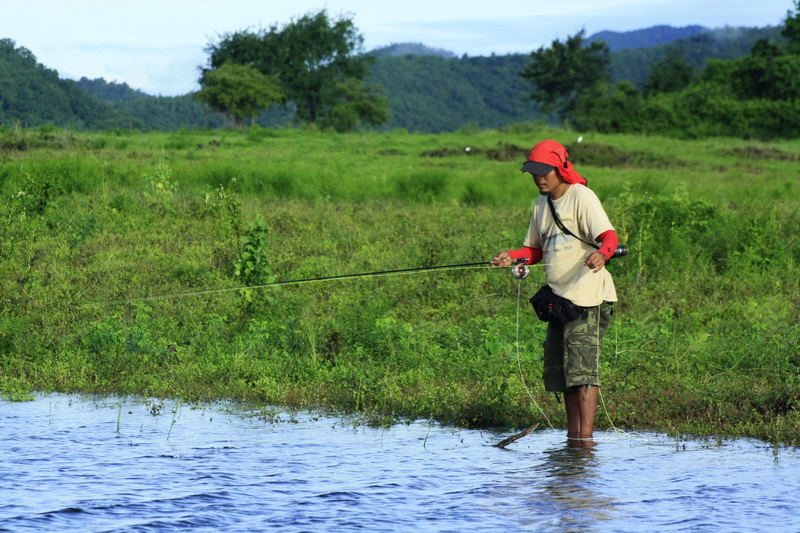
column 513, row 438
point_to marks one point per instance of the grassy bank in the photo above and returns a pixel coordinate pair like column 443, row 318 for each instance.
column 107, row 238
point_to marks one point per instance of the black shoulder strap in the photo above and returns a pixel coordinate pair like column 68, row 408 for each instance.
column 561, row 224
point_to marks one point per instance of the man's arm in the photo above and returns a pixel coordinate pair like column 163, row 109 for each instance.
column 510, row 257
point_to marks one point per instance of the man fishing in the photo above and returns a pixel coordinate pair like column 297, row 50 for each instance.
column 571, row 234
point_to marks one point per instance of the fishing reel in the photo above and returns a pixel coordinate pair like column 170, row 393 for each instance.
column 520, row 271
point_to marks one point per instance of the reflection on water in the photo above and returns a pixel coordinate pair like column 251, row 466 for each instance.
column 122, row 464
column 570, row 479
column 561, row 490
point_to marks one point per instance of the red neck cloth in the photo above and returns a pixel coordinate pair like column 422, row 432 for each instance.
column 554, row 154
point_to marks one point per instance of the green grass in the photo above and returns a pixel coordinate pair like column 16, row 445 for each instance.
column 96, row 227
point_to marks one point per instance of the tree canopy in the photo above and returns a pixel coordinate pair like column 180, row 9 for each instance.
column 672, row 73
column 309, row 57
column 238, row 91
column 791, row 29
column 561, row 73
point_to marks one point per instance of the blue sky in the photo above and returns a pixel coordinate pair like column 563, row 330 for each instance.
column 157, row 45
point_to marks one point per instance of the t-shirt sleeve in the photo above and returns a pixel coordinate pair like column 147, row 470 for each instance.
column 592, row 217
column 533, row 238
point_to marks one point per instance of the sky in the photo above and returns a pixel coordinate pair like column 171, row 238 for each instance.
column 157, row 46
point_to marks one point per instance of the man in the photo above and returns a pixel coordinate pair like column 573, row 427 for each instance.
column 574, row 270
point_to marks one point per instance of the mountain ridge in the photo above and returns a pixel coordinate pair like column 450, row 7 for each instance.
column 646, row 37
column 430, row 89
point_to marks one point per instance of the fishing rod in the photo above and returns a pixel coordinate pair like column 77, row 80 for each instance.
column 519, row 271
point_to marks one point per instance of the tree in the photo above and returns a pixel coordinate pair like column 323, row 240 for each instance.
column 767, row 73
column 564, row 71
column 672, row 73
column 239, row 91
column 309, row 57
column 791, row 29
column 616, row 111
column 356, row 102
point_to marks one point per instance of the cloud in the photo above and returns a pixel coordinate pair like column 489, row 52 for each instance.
column 158, row 70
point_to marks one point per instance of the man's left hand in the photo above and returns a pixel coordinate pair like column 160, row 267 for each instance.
column 596, row 261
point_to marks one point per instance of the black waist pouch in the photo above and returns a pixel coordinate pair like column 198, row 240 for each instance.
column 550, row 307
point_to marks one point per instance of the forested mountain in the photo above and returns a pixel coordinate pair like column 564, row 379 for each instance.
column 34, row 95
column 415, row 49
column 726, row 43
column 111, row 92
column 429, row 89
column 433, row 94
column 653, row 36
column 145, row 112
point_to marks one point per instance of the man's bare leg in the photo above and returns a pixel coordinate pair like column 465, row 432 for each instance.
column 573, row 413
column 581, row 405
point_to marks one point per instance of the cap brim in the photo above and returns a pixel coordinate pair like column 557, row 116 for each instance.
column 540, row 169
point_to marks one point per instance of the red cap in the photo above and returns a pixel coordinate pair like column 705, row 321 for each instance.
column 552, row 153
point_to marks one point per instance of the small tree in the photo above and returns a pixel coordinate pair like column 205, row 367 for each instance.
column 615, row 111
column 564, row 71
column 791, row 29
column 356, row 102
column 239, row 91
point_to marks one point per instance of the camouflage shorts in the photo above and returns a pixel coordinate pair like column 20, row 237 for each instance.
column 572, row 350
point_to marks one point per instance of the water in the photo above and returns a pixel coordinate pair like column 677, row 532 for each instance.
column 126, row 464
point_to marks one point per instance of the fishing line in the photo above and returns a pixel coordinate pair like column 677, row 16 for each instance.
column 519, row 359
column 612, row 428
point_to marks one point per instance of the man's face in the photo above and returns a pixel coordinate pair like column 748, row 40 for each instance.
column 547, row 183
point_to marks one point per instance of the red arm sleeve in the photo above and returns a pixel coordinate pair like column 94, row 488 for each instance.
column 608, row 243
column 533, row 255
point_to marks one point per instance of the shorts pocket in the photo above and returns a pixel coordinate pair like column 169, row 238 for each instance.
column 582, row 359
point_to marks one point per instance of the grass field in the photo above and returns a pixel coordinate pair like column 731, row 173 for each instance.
column 108, row 241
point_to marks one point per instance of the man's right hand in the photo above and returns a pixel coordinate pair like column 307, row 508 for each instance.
column 502, row 259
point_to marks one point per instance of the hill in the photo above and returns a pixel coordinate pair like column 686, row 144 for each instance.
column 33, row 95
column 111, row 92
column 633, row 64
column 145, row 112
column 413, row 49
column 652, row 36
column 433, row 94
column 430, row 89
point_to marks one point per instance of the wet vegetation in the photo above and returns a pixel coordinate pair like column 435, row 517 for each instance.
column 125, row 260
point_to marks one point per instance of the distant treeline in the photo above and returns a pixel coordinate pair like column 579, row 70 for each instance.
column 428, row 91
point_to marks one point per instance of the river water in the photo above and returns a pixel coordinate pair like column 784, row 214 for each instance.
column 93, row 464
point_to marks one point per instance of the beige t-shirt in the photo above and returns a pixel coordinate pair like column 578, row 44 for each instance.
column 580, row 211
